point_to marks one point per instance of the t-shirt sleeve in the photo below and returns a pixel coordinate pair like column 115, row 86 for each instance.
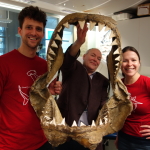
column 148, row 84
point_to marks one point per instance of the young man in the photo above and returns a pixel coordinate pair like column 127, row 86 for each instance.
column 84, row 90
column 19, row 125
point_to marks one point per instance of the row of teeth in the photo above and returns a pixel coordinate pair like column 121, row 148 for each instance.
column 81, row 23
column 51, row 55
column 53, row 122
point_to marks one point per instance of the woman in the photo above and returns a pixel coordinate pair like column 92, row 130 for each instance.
column 135, row 134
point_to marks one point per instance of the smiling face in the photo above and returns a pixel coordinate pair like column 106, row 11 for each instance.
column 91, row 60
column 31, row 33
column 130, row 64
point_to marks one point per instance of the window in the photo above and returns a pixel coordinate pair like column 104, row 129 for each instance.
column 67, row 38
column 2, row 40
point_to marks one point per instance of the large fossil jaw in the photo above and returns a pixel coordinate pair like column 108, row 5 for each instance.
column 111, row 117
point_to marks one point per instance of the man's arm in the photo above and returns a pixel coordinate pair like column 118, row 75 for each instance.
column 81, row 35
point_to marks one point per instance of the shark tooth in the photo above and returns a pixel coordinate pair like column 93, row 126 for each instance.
column 49, row 57
column 107, row 28
column 106, row 119
column 81, row 23
column 82, row 124
column 63, row 122
column 58, row 37
column 117, row 68
column 59, row 29
column 66, row 25
column 74, row 124
column 100, row 26
column 51, row 52
column 118, row 58
column 101, row 123
column 114, row 42
column 54, row 44
column 117, row 64
column 49, row 65
column 112, row 35
column 92, row 24
column 117, row 51
column 53, row 122
column 93, row 124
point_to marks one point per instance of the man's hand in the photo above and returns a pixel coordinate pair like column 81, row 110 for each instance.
column 81, row 35
column 55, row 87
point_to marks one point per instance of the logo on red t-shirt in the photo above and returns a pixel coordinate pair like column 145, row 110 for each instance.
column 134, row 102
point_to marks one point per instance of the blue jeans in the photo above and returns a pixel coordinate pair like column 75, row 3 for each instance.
column 128, row 142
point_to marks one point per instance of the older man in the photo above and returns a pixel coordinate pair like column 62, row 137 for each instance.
column 84, row 90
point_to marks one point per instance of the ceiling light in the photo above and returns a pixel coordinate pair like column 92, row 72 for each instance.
column 5, row 20
column 68, row 11
column 62, row 2
column 5, row 5
column 25, row 1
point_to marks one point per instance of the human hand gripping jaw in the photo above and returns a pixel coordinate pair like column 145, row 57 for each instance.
column 55, row 87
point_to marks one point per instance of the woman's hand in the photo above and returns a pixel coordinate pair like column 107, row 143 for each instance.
column 145, row 131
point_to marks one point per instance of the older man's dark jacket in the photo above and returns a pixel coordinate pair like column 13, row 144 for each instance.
column 80, row 92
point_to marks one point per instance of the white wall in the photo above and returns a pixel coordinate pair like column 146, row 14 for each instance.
column 136, row 33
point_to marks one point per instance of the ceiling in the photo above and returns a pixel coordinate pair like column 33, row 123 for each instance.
column 63, row 7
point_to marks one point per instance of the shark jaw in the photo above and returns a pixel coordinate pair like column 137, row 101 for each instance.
column 113, row 114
